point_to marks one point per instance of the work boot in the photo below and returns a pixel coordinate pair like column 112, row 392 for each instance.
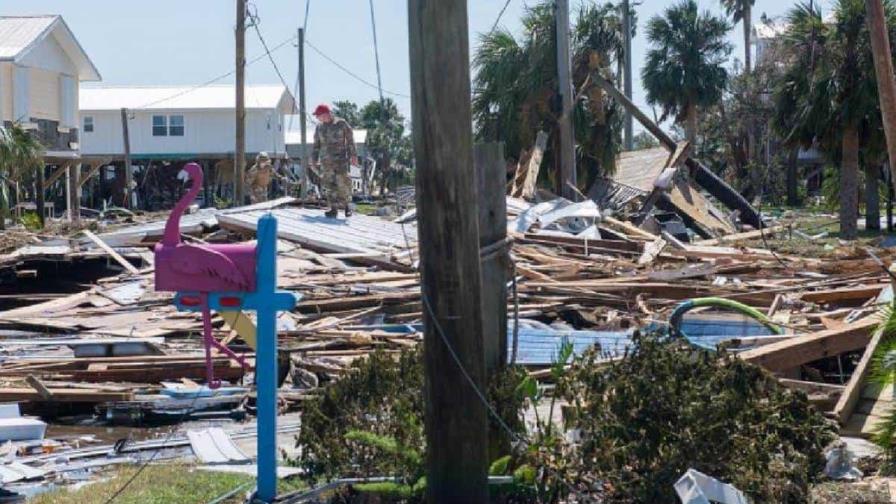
column 348, row 211
column 331, row 213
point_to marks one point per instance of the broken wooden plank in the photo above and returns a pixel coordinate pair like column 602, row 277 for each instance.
column 37, row 385
column 803, row 349
column 651, row 250
column 112, row 253
column 850, row 396
column 629, row 228
column 746, row 235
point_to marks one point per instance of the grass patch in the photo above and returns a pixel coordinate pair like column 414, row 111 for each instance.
column 157, row 484
column 365, row 208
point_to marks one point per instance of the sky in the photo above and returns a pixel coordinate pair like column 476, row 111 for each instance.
column 188, row 42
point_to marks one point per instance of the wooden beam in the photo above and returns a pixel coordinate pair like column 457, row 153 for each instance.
column 93, row 168
column 448, row 230
column 853, row 391
column 800, row 350
column 629, row 228
column 112, row 253
column 747, row 235
column 56, row 175
column 38, row 385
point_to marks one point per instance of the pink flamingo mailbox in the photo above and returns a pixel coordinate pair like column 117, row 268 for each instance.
column 231, row 277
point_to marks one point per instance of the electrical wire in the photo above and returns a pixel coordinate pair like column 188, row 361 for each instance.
column 500, row 14
column 352, row 74
column 254, row 21
column 215, row 79
column 376, row 55
column 155, row 452
column 519, row 438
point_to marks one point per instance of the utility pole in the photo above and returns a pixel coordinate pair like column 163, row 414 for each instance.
column 239, row 161
column 127, row 157
column 305, row 163
column 448, row 232
column 567, row 134
column 627, row 79
column 886, row 86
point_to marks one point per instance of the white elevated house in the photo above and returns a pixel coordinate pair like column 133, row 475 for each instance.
column 182, row 122
column 41, row 66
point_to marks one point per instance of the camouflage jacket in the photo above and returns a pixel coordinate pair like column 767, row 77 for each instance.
column 333, row 142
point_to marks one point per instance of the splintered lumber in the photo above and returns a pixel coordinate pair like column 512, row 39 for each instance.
column 112, row 253
column 38, row 385
column 651, row 250
column 16, row 394
column 527, row 174
column 850, row 396
column 862, row 293
column 746, row 235
column 798, row 350
column 629, row 229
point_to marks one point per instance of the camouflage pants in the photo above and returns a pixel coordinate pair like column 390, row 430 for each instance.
column 337, row 185
column 258, row 194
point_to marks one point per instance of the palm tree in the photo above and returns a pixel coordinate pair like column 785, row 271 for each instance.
column 684, row 68
column 740, row 10
column 20, row 156
column 828, row 95
column 515, row 87
column 385, row 136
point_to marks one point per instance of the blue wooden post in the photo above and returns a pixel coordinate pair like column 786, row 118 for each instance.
column 267, row 301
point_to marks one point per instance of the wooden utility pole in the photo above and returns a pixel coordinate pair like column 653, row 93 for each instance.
column 886, row 85
column 305, row 161
column 127, row 157
column 239, row 162
column 627, row 68
column 567, row 133
column 448, row 232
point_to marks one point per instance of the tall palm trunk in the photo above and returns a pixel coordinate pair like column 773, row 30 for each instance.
column 4, row 203
column 872, row 196
column 849, row 183
column 690, row 125
column 748, row 22
column 793, row 194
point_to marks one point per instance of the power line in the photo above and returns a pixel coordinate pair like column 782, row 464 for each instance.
column 307, row 8
column 215, row 79
column 376, row 53
column 500, row 14
column 255, row 20
column 353, row 74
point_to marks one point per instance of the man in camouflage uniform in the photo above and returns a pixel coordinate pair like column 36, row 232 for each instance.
column 259, row 178
column 334, row 149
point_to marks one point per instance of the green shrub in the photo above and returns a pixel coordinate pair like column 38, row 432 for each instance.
column 663, row 409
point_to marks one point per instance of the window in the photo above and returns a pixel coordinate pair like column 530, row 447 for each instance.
column 176, row 125
column 159, row 125
column 88, row 124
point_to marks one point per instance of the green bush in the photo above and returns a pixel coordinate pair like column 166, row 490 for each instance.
column 662, row 409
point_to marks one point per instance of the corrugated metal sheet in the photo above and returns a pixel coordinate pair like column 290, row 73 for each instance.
column 214, row 446
column 360, row 234
column 181, row 97
column 17, row 33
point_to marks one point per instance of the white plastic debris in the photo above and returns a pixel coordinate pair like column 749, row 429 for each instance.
column 694, row 487
column 840, row 464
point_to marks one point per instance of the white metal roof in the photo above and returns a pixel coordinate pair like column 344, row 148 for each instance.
column 294, row 136
column 20, row 34
column 183, row 97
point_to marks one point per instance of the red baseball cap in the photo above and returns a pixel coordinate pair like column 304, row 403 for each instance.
column 321, row 109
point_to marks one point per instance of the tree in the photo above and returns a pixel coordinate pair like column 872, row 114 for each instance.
column 827, row 97
column 740, row 10
column 644, row 140
column 684, row 68
column 20, row 156
column 515, row 87
column 347, row 110
column 386, row 138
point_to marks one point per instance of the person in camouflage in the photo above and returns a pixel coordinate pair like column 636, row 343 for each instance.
column 334, row 149
column 259, row 178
